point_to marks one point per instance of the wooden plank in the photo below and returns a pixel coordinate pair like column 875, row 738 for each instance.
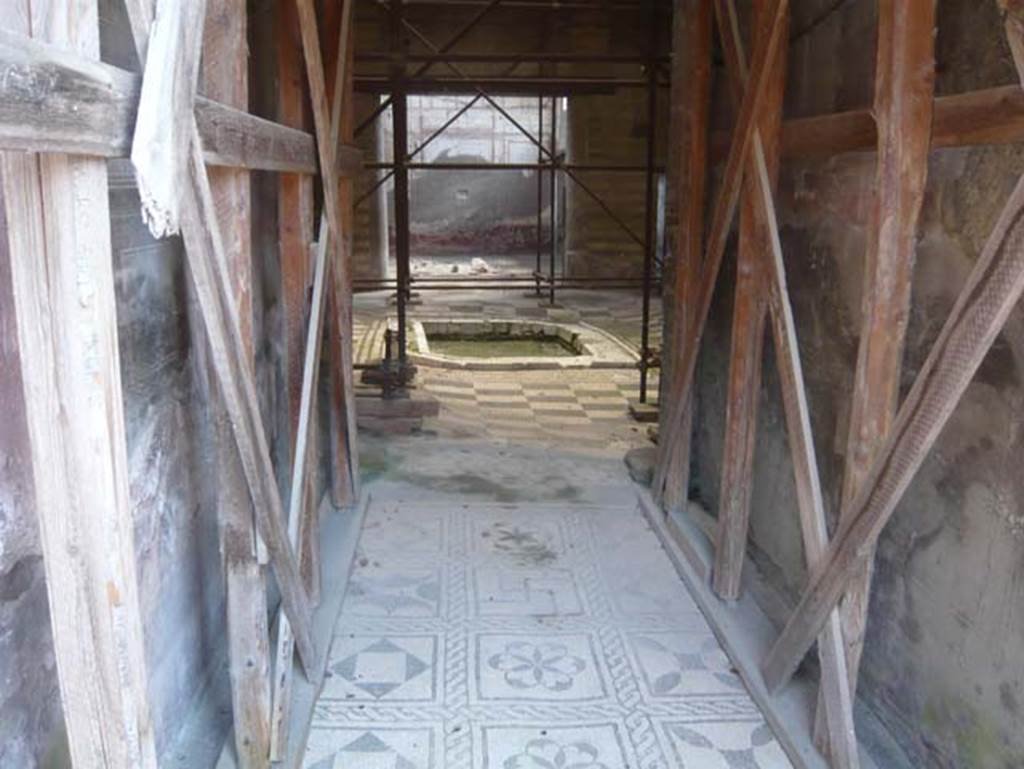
column 224, row 76
column 236, row 380
column 993, row 289
column 904, row 87
column 344, row 449
column 988, row 116
column 296, row 508
column 53, row 100
column 235, row 138
column 748, row 329
column 298, row 513
column 341, row 531
column 327, row 119
column 294, row 216
column 212, row 282
column 725, row 208
column 691, row 105
column 810, row 503
column 834, row 677
column 59, row 255
column 295, row 222
column 327, row 127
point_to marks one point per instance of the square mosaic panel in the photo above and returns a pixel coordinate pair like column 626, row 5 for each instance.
column 373, row 748
column 676, row 664
column 575, row 746
column 376, row 668
column 392, row 591
column 519, row 542
column 510, row 592
column 723, row 745
column 547, row 667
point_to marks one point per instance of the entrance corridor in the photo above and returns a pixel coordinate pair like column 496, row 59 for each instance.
column 548, row 630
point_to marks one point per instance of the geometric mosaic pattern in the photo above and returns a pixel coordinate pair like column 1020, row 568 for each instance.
column 526, row 637
column 583, row 409
column 580, row 409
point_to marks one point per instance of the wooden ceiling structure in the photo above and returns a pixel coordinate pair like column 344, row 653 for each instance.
column 62, row 112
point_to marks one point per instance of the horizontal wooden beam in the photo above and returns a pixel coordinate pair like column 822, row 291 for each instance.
column 52, row 100
column 987, row 116
column 235, row 138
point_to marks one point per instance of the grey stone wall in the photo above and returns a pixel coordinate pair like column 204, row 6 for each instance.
column 944, row 661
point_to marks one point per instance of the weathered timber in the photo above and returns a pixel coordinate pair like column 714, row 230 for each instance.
column 224, row 76
column 344, row 464
column 330, row 230
column 748, row 329
column 810, row 502
column 58, row 249
column 691, row 104
column 210, row 275
column 725, row 207
column 236, row 380
column 988, row 116
column 297, row 508
column 904, row 87
column 992, row 291
column 53, row 100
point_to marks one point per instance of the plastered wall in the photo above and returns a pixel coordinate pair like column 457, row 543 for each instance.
column 944, row 661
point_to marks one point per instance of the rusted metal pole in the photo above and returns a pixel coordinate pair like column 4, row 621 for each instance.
column 400, row 140
column 540, row 190
column 551, row 202
column 649, row 222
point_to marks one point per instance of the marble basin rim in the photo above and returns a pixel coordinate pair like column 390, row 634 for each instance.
column 595, row 348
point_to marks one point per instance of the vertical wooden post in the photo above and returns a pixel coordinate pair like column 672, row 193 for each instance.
column 344, row 452
column 295, row 226
column 691, row 105
column 224, row 77
column 748, row 328
column 294, row 213
column 65, row 316
column 904, row 94
column 810, row 502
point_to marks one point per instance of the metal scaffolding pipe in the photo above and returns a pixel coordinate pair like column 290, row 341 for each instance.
column 400, row 138
column 554, row 176
column 649, row 221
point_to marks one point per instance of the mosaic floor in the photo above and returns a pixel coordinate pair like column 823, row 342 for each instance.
column 587, row 411
column 485, row 636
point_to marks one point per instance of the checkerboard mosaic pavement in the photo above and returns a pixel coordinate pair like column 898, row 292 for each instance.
column 584, row 410
column 526, row 637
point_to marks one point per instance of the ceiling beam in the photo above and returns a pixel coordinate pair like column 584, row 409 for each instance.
column 974, row 118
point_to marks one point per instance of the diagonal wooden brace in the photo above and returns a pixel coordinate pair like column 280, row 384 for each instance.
column 209, row 271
